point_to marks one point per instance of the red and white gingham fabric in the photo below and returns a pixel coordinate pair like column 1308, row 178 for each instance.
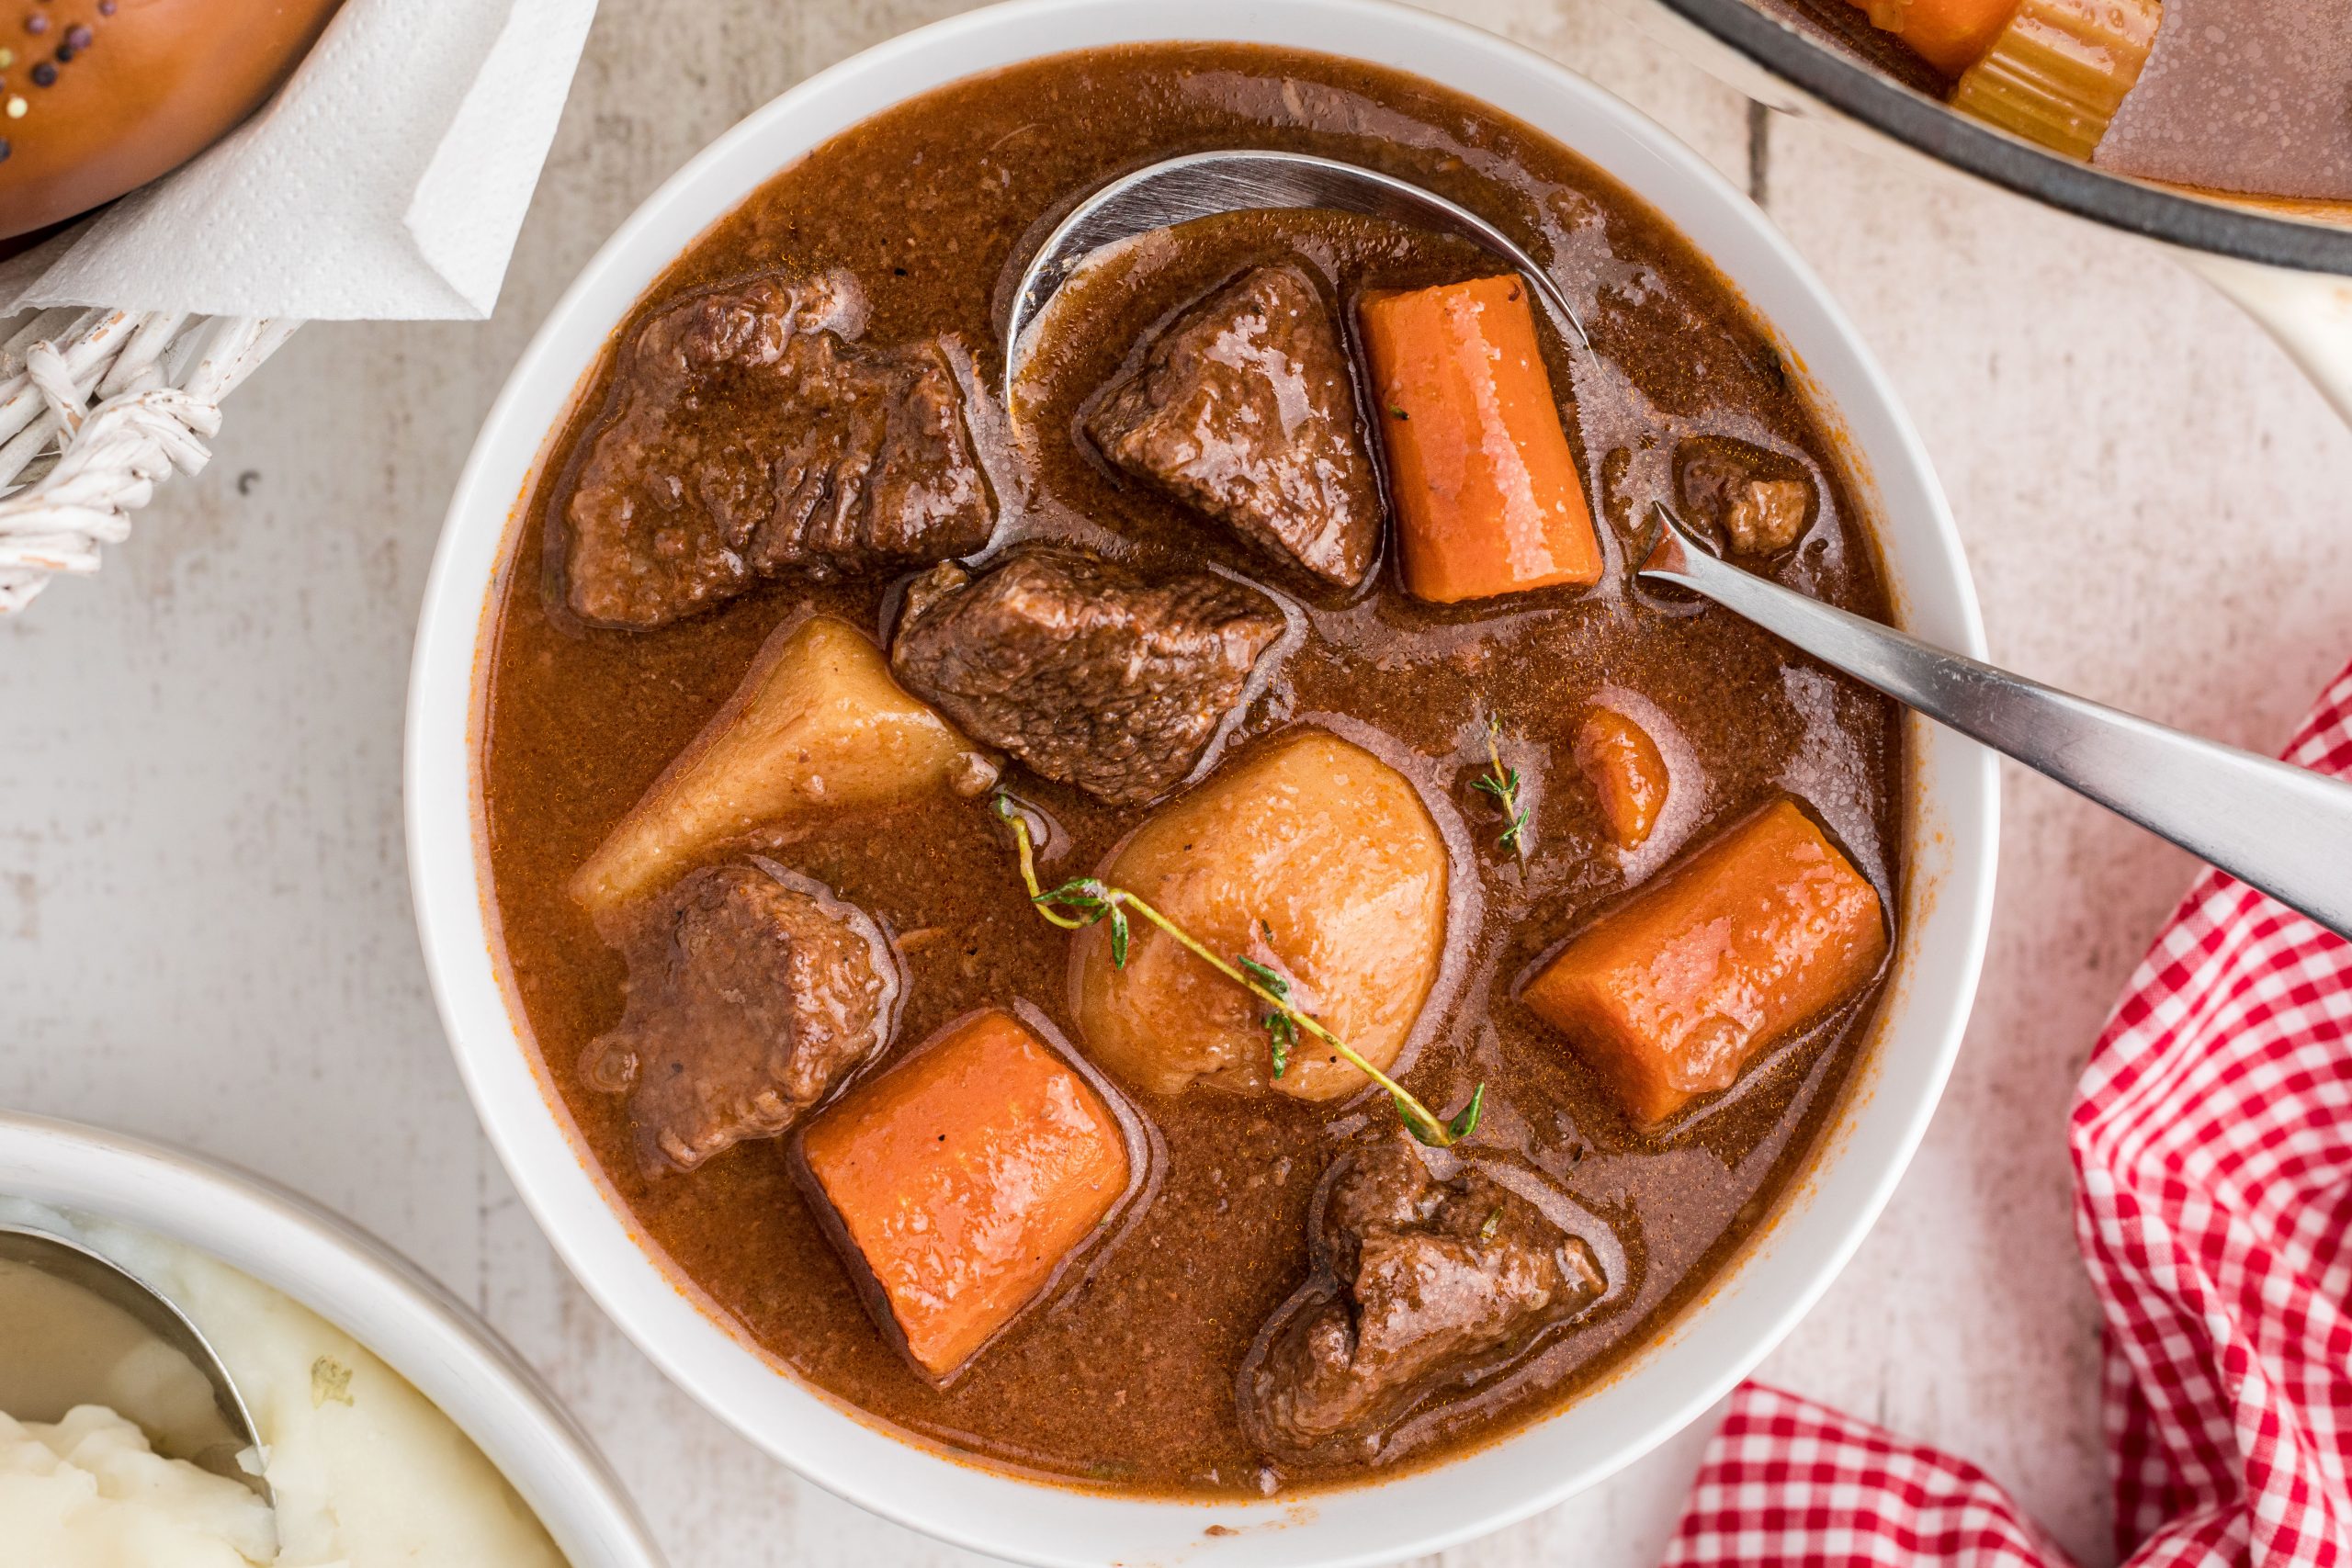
column 2212, row 1143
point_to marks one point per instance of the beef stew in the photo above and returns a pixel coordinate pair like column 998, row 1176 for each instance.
column 1246, row 858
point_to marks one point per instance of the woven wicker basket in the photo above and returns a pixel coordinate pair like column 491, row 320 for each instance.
column 96, row 406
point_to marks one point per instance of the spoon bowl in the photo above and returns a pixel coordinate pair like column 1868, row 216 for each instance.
column 232, row 1434
column 1210, row 185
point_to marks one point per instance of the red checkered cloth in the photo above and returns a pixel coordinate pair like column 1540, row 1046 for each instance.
column 2212, row 1143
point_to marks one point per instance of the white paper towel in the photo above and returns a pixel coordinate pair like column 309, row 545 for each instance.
column 386, row 181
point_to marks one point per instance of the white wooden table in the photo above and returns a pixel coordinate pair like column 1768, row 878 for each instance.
column 204, row 916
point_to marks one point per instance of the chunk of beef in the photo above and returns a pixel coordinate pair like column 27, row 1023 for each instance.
column 752, row 993
column 747, row 438
column 1419, row 1282
column 1762, row 502
column 1767, row 515
column 1086, row 671
column 1243, row 409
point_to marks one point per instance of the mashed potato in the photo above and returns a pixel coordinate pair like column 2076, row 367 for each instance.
column 366, row 1471
column 87, row 1492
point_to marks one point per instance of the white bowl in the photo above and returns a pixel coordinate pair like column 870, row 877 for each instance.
column 1948, row 901
column 357, row 1283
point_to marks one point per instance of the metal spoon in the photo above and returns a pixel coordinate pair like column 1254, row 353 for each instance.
column 1209, row 185
column 2284, row 829
column 63, row 1259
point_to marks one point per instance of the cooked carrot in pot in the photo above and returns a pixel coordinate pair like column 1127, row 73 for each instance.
column 1950, row 34
column 1620, row 761
column 1755, row 935
column 959, row 1180
column 1486, row 492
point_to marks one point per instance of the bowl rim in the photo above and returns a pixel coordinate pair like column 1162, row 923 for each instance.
column 815, row 1435
column 359, row 1284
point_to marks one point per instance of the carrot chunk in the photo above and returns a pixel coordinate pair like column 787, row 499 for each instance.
column 1486, row 492
column 1620, row 761
column 959, row 1180
column 1950, row 34
column 1747, row 941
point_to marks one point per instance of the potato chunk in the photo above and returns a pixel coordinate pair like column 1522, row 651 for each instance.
column 959, row 1180
column 816, row 722
column 1748, row 940
column 1310, row 856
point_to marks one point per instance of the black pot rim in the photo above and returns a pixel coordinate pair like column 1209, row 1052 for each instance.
column 1927, row 126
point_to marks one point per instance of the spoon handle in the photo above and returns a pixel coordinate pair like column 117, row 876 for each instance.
column 2284, row 829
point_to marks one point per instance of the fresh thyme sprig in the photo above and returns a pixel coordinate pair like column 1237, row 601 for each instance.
column 1503, row 785
column 1085, row 900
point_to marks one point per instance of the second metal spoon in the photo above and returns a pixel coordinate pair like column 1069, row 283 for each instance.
column 2284, row 829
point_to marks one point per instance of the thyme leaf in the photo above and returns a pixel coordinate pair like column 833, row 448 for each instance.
column 1270, row 979
column 1282, row 1032
column 1082, row 894
column 1466, row 1120
column 1503, row 785
column 1423, row 1124
column 1084, row 901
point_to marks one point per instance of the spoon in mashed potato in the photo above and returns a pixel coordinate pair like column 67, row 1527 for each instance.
column 104, row 1416
column 173, row 1360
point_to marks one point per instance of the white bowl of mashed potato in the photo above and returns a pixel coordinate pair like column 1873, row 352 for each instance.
column 396, row 1429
